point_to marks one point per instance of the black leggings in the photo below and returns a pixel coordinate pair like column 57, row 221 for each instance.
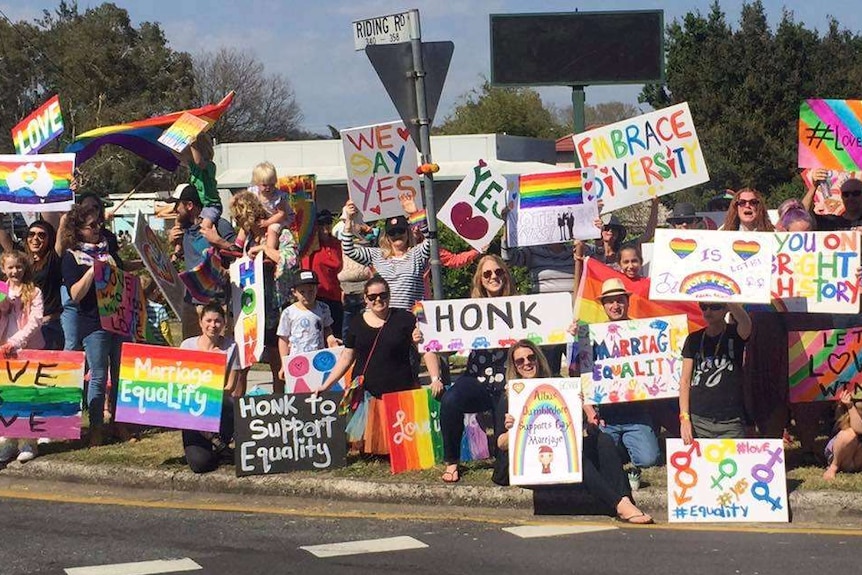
column 201, row 453
column 604, row 477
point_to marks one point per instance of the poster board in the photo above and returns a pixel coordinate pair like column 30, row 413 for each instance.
column 247, row 297
column 40, row 183
column 183, row 132
column 824, row 363
column 122, row 306
column 381, row 163
column 38, row 129
column 643, row 157
column 306, row 372
column 474, row 211
column 282, row 433
column 545, row 442
column 724, row 266
column 830, row 134
column 827, row 194
column 156, row 261
column 413, row 421
column 633, row 360
column 726, row 481
column 40, row 394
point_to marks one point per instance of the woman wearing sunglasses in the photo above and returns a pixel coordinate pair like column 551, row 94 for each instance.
column 712, row 394
column 603, row 473
column 48, row 277
column 747, row 213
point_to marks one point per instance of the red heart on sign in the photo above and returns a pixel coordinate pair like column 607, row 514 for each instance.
column 482, row 163
column 375, row 209
column 404, row 133
column 466, row 224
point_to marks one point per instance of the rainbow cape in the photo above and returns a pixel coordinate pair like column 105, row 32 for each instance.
column 142, row 137
column 206, row 281
column 301, row 192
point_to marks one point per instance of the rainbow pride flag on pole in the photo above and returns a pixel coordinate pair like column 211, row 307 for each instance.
column 550, row 190
column 413, row 421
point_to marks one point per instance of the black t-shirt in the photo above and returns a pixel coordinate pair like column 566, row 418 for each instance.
column 49, row 278
column 500, row 475
column 832, row 223
column 488, row 366
column 717, row 379
column 389, row 369
column 88, row 307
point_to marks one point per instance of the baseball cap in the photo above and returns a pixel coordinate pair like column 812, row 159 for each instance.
column 396, row 226
column 306, row 277
column 185, row 193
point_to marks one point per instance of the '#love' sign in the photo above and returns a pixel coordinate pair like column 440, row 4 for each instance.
column 36, row 130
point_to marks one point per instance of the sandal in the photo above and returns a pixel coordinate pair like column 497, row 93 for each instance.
column 636, row 519
column 451, row 476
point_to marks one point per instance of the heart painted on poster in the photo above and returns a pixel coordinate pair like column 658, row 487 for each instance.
column 404, row 133
column 467, row 225
column 682, row 247
column 375, row 209
column 838, row 361
column 745, row 249
column 518, row 386
column 482, row 163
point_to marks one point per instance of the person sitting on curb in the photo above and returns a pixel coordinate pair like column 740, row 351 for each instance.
column 844, row 450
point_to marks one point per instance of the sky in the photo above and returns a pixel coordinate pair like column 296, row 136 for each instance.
column 310, row 42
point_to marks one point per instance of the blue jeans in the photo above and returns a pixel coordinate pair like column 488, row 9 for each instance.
column 102, row 350
column 639, row 441
column 354, row 304
column 52, row 333
column 69, row 321
column 466, row 395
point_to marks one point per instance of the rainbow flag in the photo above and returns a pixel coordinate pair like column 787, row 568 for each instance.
column 183, row 132
column 302, row 191
column 169, row 387
column 555, row 189
column 40, row 394
column 830, row 134
column 36, row 183
column 142, row 137
column 413, row 421
column 206, row 281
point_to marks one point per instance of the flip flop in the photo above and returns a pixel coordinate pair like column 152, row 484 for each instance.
column 451, row 476
column 633, row 519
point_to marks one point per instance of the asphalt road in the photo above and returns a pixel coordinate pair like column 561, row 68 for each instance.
column 43, row 531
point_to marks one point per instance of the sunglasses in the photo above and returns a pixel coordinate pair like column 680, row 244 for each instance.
column 711, row 306
column 854, row 193
column 521, row 361
column 499, row 272
column 382, row 296
column 753, row 203
column 40, row 235
column 395, row 232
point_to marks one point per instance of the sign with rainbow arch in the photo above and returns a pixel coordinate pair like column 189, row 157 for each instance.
column 712, row 265
column 545, row 441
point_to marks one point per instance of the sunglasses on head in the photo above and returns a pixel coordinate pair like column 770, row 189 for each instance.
column 499, row 272
column 754, row 202
column 521, row 361
column 40, row 235
column 854, row 193
column 711, row 306
column 382, row 296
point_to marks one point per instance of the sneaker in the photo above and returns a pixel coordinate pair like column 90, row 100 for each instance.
column 635, row 479
column 43, row 441
column 28, row 453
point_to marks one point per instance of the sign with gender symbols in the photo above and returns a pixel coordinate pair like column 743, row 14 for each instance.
column 726, row 481
column 305, row 372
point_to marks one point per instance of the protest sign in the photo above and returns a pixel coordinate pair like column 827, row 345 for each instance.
column 726, row 481
column 281, row 433
column 169, row 387
column 633, row 360
column 301, row 194
column 708, row 265
column 305, row 372
column 40, row 183
column 474, row 211
column 554, row 208
column 40, row 394
column 824, row 363
column 494, row 322
column 545, row 441
column 381, row 163
column 246, row 277
column 643, row 157
column 158, row 264
column 122, row 307
column 36, row 130
column 183, row 132
column 830, row 134
column 4, row 290
column 827, row 193
column 816, row 272
column 413, row 421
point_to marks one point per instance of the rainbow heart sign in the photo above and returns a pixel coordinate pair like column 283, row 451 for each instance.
column 711, row 265
column 158, row 264
column 40, row 183
column 830, row 134
column 474, row 211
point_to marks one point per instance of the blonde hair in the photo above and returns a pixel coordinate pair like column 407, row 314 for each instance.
column 385, row 244
column 247, row 211
column 264, row 173
column 542, row 367
column 28, row 288
column 478, row 290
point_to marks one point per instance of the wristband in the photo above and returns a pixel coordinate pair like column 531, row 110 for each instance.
column 684, row 416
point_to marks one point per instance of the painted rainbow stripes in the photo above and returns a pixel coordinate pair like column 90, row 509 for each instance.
column 557, row 189
column 205, row 282
column 40, row 394
column 548, row 401
column 707, row 283
column 302, row 191
column 41, row 180
column 823, row 363
column 413, row 421
column 830, row 134
column 169, row 387
column 183, row 132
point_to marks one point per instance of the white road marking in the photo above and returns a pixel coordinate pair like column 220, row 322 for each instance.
column 367, row 546
column 530, row 531
column 139, row 568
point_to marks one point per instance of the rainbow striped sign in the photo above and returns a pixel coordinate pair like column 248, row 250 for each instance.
column 301, row 192
column 824, row 363
column 415, row 440
column 830, row 134
column 169, row 387
column 551, row 190
column 183, row 132
column 38, row 129
column 545, row 442
column 36, row 183
column 40, row 394
column 122, row 306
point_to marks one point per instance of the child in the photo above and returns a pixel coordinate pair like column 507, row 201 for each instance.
column 20, row 328
column 158, row 329
column 278, row 210
column 844, row 450
column 198, row 157
column 307, row 324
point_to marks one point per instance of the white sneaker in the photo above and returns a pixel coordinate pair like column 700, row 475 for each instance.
column 43, row 441
column 28, row 453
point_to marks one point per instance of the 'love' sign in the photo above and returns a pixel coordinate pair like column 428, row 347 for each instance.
column 36, row 130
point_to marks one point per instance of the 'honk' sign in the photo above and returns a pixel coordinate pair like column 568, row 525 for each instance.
column 36, row 130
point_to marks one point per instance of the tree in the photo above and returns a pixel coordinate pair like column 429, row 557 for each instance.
column 600, row 114
column 265, row 107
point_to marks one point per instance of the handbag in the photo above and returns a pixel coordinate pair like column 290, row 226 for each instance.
column 354, row 393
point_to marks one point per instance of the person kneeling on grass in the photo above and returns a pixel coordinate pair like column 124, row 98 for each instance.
column 844, row 450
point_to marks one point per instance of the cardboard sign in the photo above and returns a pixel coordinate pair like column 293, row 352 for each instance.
column 824, row 363
column 830, row 134
column 726, row 481
column 158, row 264
column 827, row 194
column 381, row 163
column 494, row 322
column 36, row 183
column 546, row 441
column 474, row 211
column 282, row 433
column 633, row 360
column 4, row 290
column 40, row 394
column 301, row 194
column 169, row 387
column 122, row 307
column 638, row 159
column 554, row 208
column 691, row 265
column 35, row 131
column 183, row 132
column 415, row 439
column 246, row 278
column 816, row 272
column 305, row 372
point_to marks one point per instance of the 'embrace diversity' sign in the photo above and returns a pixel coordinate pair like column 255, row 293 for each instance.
column 824, row 363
